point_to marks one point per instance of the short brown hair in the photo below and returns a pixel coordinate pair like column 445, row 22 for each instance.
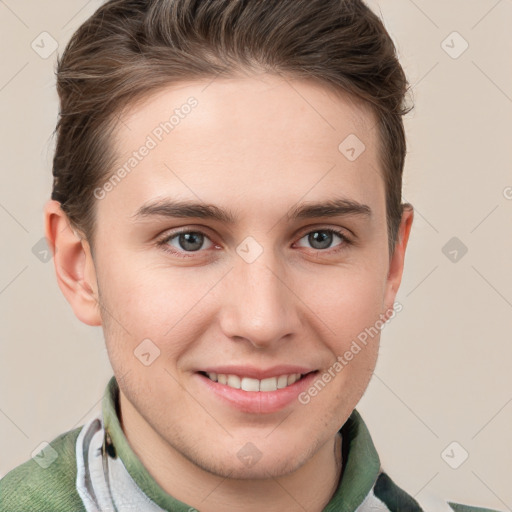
column 130, row 48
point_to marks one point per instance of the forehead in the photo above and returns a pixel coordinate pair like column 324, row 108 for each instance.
column 247, row 139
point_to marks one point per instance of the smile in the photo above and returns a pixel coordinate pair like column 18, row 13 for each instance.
column 250, row 384
column 255, row 390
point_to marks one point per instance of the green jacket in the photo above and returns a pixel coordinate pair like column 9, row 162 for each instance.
column 93, row 468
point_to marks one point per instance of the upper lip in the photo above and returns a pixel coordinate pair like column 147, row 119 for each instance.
column 258, row 373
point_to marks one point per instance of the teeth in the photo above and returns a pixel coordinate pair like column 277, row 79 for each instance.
column 249, row 384
column 233, row 381
column 269, row 384
column 282, row 381
column 294, row 377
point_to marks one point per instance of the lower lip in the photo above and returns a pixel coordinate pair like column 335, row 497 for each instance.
column 259, row 402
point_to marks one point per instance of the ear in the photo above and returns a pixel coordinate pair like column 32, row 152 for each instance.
column 396, row 264
column 73, row 263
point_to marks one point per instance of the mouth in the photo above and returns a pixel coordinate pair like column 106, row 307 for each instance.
column 255, row 390
column 256, row 385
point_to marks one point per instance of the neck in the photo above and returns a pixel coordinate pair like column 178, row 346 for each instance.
column 310, row 487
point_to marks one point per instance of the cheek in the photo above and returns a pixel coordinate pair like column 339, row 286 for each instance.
column 350, row 305
column 348, row 299
column 140, row 279
column 158, row 304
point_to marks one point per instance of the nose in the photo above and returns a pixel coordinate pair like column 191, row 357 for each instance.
column 260, row 305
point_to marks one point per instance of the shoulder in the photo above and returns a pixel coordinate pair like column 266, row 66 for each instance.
column 396, row 499
column 45, row 482
column 458, row 507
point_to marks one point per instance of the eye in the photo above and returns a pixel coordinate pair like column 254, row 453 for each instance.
column 185, row 241
column 321, row 239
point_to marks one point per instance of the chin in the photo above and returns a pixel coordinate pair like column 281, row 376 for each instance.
column 255, row 469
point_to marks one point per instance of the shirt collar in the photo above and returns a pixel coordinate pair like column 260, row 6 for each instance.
column 361, row 463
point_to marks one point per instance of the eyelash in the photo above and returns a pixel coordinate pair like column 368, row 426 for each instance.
column 164, row 243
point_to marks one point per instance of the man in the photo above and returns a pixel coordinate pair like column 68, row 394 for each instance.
column 227, row 206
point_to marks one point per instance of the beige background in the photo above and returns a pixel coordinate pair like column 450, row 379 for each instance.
column 444, row 369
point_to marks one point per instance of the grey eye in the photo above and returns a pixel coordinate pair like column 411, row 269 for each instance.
column 188, row 241
column 322, row 238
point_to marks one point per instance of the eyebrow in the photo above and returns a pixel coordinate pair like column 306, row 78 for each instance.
column 191, row 209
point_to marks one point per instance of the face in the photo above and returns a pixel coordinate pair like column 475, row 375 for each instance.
column 215, row 271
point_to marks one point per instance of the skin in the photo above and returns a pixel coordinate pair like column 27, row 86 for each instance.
column 258, row 146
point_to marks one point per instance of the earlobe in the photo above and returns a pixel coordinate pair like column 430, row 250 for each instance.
column 396, row 264
column 74, row 266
